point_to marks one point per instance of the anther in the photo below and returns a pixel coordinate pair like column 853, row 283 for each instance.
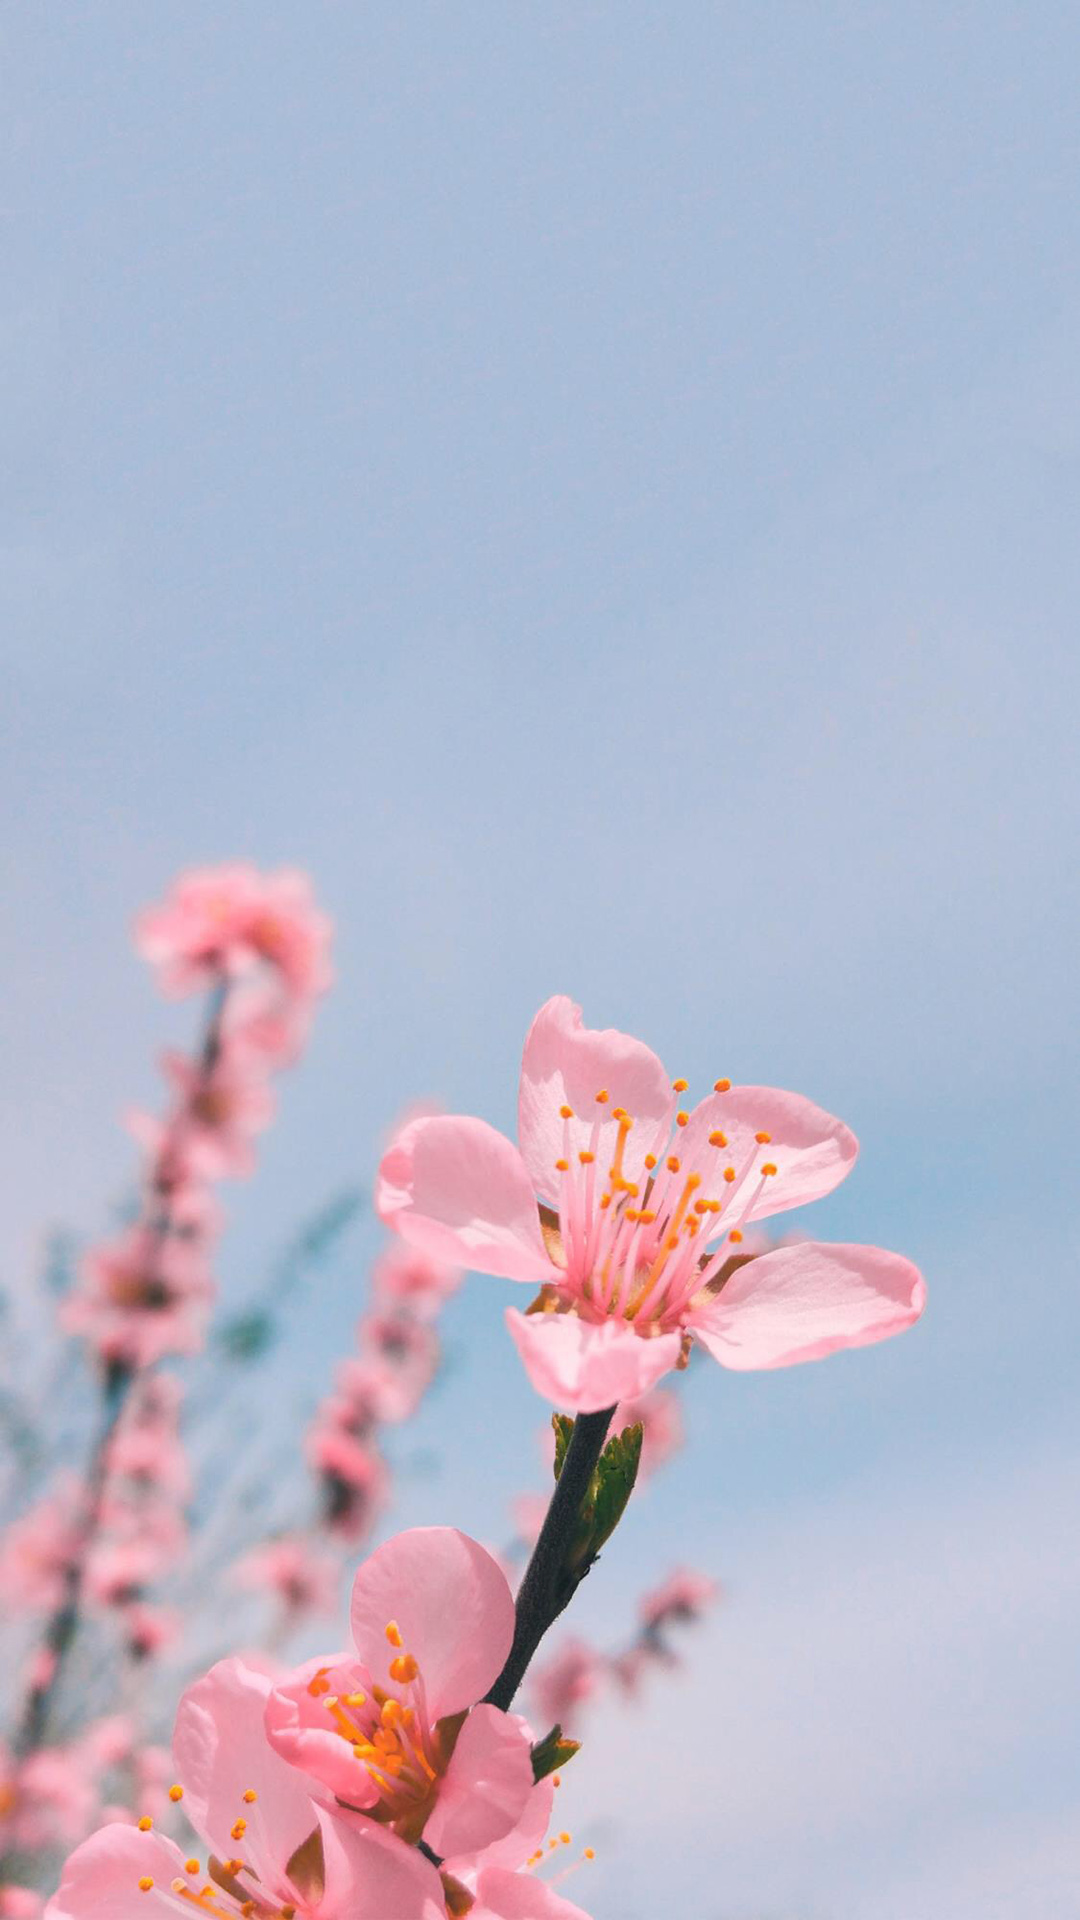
column 351, row 1700
column 191, row 1866
column 238, row 1829
column 729, row 1174
column 718, row 1139
column 680, row 1086
column 735, row 1235
column 145, row 1883
column 562, row 1166
column 673, row 1163
column 769, row 1167
column 565, row 1839
column 590, row 1853
column 176, row 1793
column 586, row 1157
column 556, row 1779
column 721, row 1086
column 250, row 1795
column 145, row 1823
column 650, row 1161
column 393, row 1633
column 681, row 1119
column 567, row 1113
column 404, row 1669
column 763, row 1139
column 602, row 1097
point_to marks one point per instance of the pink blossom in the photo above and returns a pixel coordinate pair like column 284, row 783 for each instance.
column 402, row 1276
column 47, row 1798
column 682, row 1597
column 409, row 1346
column 141, row 1297
column 353, row 1477
column 221, row 1109
column 146, row 1447
column 20, row 1903
column 503, row 1880
column 273, row 1848
column 301, row 1576
column 148, row 1629
column 372, row 1392
column 640, row 1204
column 228, row 921
column 561, row 1684
column 38, row 1550
column 391, row 1728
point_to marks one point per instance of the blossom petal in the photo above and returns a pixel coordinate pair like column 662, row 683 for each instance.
column 520, row 1843
column 369, row 1871
column 801, row 1303
column 101, row 1878
column 581, row 1366
column 811, row 1150
column 568, row 1064
column 221, row 1751
column 501, row 1895
column 452, row 1606
column 485, row 1789
column 458, row 1190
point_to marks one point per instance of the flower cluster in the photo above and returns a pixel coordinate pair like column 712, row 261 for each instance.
column 141, row 1530
column 312, row 1789
column 258, row 946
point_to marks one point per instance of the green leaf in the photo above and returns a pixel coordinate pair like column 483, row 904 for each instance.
column 551, row 1752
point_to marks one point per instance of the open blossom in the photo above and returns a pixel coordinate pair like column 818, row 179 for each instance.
column 391, row 1728
column 272, row 1852
column 228, row 921
column 624, row 1207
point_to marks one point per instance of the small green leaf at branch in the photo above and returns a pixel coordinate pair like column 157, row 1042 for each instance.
column 551, row 1752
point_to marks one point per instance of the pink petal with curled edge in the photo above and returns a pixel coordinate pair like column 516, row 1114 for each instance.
column 519, row 1896
column 811, row 1150
column 485, row 1789
column 452, row 1605
column 568, row 1064
column 371, row 1872
column 801, row 1303
column 581, row 1366
column 303, row 1733
column 101, row 1878
column 457, row 1189
column 220, row 1749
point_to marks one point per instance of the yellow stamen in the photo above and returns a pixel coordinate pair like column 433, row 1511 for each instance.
column 590, row 1853
column 567, row 1112
column 238, row 1830
column 735, row 1235
column 673, row 1163
column 680, row 1086
column 145, row 1823
column 650, row 1161
column 191, row 1866
column 721, row 1086
column 562, row 1166
column 404, row 1669
column 145, row 1883
column 602, row 1097
column 393, row 1633
column 351, row 1700
column 250, row 1794
column 176, row 1793
column 681, row 1119
column 729, row 1174
column 763, row 1139
column 718, row 1139
column 768, row 1168
column 586, row 1157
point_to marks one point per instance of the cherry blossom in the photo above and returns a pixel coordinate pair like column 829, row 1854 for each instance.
column 273, row 1852
column 391, row 1728
column 624, row 1207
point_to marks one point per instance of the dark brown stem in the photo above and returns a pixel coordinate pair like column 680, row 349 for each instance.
column 550, row 1582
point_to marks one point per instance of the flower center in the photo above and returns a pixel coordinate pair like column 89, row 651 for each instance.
column 390, row 1736
column 636, row 1247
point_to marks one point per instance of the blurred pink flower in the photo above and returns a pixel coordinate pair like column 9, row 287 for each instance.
column 38, row 1550
column 228, row 920
column 140, row 1297
column 48, row 1798
column 402, row 1276
column 640, row 1205
column 561, row 1684
column 682, row 1597
column 302, row 1576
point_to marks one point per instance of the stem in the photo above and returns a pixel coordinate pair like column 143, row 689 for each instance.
column 550, row 1583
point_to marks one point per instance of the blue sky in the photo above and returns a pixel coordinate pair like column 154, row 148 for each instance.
column 598, row 486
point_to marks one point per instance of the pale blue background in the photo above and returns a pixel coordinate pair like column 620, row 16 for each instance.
column 598, row 485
